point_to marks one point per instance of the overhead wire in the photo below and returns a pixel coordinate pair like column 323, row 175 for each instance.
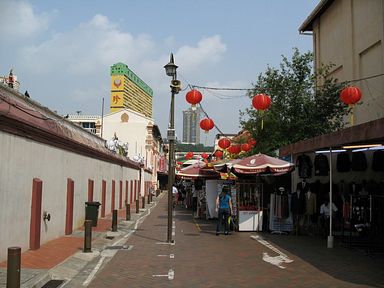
column 212, row 91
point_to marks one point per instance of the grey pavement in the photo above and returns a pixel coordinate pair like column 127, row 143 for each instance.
column 104, row 245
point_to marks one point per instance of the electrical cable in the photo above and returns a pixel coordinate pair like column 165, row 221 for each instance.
column 252, row 89
column 206, row 115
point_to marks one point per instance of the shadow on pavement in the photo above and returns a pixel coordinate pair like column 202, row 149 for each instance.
column 350, row 265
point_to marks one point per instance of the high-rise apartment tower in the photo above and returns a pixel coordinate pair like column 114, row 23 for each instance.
column 191, row 128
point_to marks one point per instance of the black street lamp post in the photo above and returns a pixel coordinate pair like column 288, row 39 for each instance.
column 170, row 70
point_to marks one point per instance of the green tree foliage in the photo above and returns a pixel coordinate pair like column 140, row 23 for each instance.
column 299, row 109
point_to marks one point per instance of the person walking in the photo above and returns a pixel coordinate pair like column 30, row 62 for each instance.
column 224, row 209
column 175, row 194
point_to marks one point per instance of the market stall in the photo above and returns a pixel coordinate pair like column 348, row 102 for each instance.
column 203, row 192
column 250, row 193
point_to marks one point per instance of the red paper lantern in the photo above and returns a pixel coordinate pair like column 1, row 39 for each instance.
column 193, row 97
column 350, row 95
column 234, row 149
column 189, row 155
column 207, row 124
column 204, row 155
column 252, row 142
column 261, row 101
column 218, row 154
column 245, row 147
column 224, row 143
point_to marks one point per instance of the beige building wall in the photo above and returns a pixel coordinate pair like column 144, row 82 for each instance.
column 349, row 34
column 136, row 129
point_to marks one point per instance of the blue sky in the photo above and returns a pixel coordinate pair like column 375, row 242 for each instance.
column 62, row 51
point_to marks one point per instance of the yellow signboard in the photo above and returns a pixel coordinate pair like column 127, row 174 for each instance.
column 117, row 101
column 117, row 82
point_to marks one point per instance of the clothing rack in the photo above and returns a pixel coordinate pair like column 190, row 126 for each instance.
column 277, row 223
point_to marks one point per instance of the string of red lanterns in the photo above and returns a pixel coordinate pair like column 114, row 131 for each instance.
column 259, row 101
column 349, row 95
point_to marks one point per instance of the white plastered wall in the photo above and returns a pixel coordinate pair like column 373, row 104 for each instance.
column 22, row 160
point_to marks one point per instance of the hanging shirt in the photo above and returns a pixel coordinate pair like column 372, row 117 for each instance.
column 359, row 161
column 321, row 165
column 305, row 166
column 343, row 163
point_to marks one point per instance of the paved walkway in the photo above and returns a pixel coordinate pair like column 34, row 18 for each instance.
column 138, row 256
column 199, row 258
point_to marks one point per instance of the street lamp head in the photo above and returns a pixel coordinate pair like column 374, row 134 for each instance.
column 170, row 68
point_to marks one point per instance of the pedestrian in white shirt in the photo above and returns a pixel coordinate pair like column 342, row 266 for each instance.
column 325, row 210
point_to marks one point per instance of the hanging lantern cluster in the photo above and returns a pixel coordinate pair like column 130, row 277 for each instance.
column 204, row 156
column 193, row 97
column 350, row 96
column 261, row 102
column 189, row 155
column 246, row 147
column 234, row 149
column 224, row 143
column 219, row 154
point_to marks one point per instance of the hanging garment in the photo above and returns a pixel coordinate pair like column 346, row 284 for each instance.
column 278, row 206
column 378, row 160
column 321, row 165
column 298, row 203
column 303, row 186
column 343, row 163
column 310, row 203
column 284, row 206
column 304, row 164
column 359, row 161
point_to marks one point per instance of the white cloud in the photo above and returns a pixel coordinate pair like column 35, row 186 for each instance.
column 209, row 50
column 19, row 20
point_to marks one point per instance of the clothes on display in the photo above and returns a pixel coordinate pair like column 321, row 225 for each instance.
column 280, row 220
column 343, row 162
column 359, row 161
column 321, row 165
column 378, row 160
column 310, row 203
column 298, row 203
column 303, row 186
column 304, row 165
